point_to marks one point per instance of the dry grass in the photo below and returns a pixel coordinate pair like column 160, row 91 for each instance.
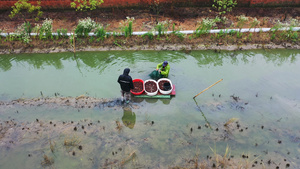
column 119, row 126
column 230, row 121
column 217, row 161
column 130, row 157
column 52, row 146
column 48, row 161
column 71, row 141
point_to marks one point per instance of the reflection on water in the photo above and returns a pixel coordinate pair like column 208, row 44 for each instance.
column 207, row 122
column 100, row 60
column 128, row 117
column 260, row 91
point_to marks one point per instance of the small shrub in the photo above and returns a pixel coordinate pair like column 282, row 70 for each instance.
column 36, row 29
column 177, row 33
column 294, row 22
column 241, row 21
column 27, row 28
column 11, row 37
column 254, row 23
column 180, row 35
column 205, row 26
column 126, row 26
column 100, row 33
column 275, row 28
column 250, row 37
column 220, row 34
column 1, row 31
column 23, row 32
column 162, row 27
column 85, row 26
column 45, row 31
column 239, row 34
column 232, row 32
column 273, row 36
column 149, row 35
column 64, row 32
column 58, row 31
column 115, row 34
column 295, row 37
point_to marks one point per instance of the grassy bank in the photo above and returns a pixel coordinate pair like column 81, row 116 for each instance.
column 210, row 31
column 175, row 41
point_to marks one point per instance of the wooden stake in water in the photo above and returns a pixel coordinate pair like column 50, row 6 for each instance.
column 74, row 42
column 207, row 88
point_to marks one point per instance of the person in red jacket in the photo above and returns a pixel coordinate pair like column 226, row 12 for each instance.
column 126, row 85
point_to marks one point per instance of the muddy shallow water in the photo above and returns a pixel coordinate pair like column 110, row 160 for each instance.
column 58, row 111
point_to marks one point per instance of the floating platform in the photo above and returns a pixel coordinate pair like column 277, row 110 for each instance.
column 158, row 96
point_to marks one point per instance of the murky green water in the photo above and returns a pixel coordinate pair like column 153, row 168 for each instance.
column 162, row 133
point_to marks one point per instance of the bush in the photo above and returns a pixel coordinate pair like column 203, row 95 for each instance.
column 162, row 27
column 64, row 32
column 45, row 31
column 85, row 26
column 23, row 32
column 241, row 21
column 206, row 25
column 295, row 37
column 149, row 34
column 100, row 33
column 254, row 23
column 126, row 26
column 177, row 33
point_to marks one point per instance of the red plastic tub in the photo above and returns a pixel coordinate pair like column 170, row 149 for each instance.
column 138, row 87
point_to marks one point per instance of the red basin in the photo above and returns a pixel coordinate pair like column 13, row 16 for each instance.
column 138, row 84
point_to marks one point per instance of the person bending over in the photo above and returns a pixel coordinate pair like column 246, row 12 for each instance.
column 163, row 68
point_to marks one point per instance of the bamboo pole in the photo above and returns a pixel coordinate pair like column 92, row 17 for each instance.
column 74, row 42
column 207, row 88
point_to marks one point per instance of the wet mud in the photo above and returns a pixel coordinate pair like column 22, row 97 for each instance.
column 79, row 102
column 109, row 144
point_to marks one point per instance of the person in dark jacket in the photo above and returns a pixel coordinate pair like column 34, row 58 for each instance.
column 126, row 85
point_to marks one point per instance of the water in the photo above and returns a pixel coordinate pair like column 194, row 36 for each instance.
column 160, row 132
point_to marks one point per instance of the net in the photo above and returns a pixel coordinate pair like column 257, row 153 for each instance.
column 155, row 75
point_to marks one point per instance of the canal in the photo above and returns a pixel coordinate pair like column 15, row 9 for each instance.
column 254, row 111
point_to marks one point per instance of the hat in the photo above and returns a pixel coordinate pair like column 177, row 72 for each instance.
column 165, row 63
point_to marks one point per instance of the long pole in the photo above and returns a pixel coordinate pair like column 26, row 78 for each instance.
column 74, row 42
column 207, row 88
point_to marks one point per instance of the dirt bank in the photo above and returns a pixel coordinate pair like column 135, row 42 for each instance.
column 145, row 20
column 168, row 42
